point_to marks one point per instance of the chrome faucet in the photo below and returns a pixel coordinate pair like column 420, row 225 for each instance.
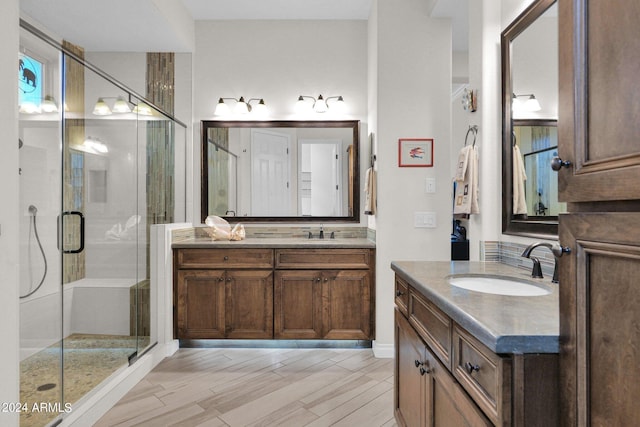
column 321, row 232
column 556, row 250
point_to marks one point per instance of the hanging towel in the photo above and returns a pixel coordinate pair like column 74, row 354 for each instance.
column 519, row 177
column 370, row 192
column 466, row 197
column 463, row 161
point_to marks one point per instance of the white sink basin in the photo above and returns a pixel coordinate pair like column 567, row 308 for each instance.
column 498, row 285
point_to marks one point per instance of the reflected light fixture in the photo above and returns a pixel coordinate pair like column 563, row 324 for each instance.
column 320, row 104
column 48, row 105
column 94, row 146
column 241, row 106
column 529, row 105
column 101, row 108
column 143, row 109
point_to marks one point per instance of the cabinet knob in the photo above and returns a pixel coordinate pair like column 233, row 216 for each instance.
column 228, row 279
column 220, row 279
column 226, row 258
column 326, row 279
column 557, row 163
column 399, row 293
column 317, row 279
column 424, row 371
column 471, row 367
column 420, row 365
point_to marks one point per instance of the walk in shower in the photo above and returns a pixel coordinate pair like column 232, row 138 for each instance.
column 94, row 176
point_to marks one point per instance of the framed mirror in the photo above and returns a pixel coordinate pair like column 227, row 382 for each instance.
column 529, row 122
column 285, row 171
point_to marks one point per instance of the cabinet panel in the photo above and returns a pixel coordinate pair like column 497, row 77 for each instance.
column 598, row 123
column 600, row 320
column 200, row 304
column 249, row 304
column 224, row 258
column 298, row 304
column 402, row 296
column 347, row 307
column 450, row 404
column 324, row 258
column 432, row 324
column 409, row 385
column 485, row 375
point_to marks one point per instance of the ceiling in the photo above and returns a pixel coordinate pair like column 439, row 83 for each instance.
column 149, row 25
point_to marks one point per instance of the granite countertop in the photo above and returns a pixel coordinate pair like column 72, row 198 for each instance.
column 275, row 242
column 505, row 324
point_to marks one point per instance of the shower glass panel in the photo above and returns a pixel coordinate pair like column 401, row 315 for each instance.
column 40, row 184
column 92, row 184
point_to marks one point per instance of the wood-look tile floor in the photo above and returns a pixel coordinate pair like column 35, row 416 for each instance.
column 261, row 387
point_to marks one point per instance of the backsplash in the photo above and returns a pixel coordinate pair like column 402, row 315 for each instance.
column 511, row 253
column 282, row 232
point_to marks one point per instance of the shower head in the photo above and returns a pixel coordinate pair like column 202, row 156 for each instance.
column 33, row 210
column 20, row 143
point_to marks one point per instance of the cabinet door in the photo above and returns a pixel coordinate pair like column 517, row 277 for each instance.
column 598, row 124
column 409, row 399
column 347, row 307
column 600, row 319
column 200, row 304
column 447, row 404
column 249, row 304
column 297, row 303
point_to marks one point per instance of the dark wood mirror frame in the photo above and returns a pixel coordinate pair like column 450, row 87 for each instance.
column 354, row 192
column 531, row 227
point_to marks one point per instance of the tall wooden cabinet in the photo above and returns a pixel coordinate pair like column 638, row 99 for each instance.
column 599, row 134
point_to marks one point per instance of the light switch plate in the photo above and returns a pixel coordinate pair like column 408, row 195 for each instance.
column 430, row 185
column 424, row 220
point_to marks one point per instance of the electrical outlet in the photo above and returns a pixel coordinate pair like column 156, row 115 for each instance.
column 424, row 220
column 431, row 185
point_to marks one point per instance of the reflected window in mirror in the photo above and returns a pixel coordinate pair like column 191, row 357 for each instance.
column 529, row 48
column 293, row 171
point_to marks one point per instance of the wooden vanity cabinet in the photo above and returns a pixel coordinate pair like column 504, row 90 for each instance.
column 223, row 293
column 247, row 293
column 444, row 376
column 324, row 294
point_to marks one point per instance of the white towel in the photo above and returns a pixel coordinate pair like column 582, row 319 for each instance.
column 370, row 191
column 463, row 161
column 519, row 177
column 466, row 197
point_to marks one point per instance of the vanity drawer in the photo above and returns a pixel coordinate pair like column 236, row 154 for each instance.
column 224, row 258
column 402, row 296
column 433, row 325
column 484, row 375
column 342, row 259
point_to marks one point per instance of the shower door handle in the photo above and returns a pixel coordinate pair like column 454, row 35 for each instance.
column 60, row 219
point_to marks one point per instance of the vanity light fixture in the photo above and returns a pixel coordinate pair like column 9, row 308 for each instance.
column 320, row 104
column 101, row 108
column 48, row 105
column 241, row 107
column 531, row 104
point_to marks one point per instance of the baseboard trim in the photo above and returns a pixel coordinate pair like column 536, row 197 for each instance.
column 383, row 351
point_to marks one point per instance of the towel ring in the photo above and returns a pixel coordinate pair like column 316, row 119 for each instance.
column 473, row 129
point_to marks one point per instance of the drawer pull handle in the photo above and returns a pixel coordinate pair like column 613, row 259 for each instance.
column 420, row 365
column 471, row 367
column 399, row 293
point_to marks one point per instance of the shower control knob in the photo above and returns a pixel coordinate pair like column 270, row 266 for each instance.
column 557, row 163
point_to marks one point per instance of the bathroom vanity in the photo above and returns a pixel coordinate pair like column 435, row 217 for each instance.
column 274, row 288
column 473, row 358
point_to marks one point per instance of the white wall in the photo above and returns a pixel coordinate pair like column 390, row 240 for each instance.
column 278, row 61
column 414, row 101
column 9, row 218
